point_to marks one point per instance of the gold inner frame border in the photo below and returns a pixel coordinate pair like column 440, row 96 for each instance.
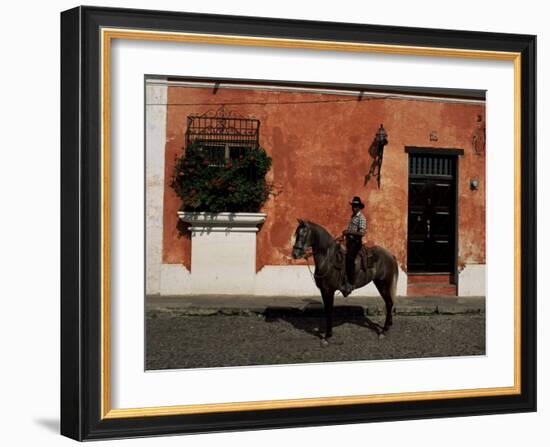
column 107, row 35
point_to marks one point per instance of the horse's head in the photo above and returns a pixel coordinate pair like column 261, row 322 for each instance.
column 302, row 239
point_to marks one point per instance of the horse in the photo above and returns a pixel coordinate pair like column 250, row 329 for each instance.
column 329, row 272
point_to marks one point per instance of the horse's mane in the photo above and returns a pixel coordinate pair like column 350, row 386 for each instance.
column 323, row 238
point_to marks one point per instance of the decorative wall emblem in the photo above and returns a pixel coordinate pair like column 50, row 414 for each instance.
column 478, row 137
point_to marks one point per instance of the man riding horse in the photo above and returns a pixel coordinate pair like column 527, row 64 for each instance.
column 354, row 233
column 328, row 255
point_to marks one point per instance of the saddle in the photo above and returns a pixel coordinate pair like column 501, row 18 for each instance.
column 366, row 256
column 364, row 261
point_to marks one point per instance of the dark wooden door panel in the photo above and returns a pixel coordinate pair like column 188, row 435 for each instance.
column 431, row 216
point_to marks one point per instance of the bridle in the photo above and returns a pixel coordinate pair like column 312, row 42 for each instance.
column 302, row 247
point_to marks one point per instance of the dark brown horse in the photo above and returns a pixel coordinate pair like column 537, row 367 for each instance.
column 330, row 269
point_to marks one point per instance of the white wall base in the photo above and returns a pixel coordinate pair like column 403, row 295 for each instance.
column 223, row 263
column 285, row 280
column 295, row 280
column 223, row 252
column 175, row 279
column 402, row 283
column 471, row 280
column 272, row 280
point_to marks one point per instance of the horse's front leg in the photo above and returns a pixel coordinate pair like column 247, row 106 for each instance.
column 328, row 304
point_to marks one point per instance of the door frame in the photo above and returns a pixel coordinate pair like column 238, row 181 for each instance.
column 452, row 152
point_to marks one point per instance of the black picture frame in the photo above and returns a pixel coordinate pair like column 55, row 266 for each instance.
column 81, row 223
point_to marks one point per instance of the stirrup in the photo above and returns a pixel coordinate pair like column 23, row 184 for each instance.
column 346, row 290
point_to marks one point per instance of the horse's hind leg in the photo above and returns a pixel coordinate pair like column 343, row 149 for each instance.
column 328, row 304
column 387, row 291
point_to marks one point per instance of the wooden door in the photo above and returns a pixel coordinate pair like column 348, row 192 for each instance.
column 432, row 213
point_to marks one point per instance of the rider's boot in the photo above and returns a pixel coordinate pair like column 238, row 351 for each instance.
column 347, row 289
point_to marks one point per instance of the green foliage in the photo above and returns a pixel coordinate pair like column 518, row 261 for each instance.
column 238, row 185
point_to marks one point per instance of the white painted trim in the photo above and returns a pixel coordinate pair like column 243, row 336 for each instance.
column 222, row 222
column 155, row 141
column 472, row 280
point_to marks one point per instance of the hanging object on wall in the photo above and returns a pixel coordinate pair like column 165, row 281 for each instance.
column 478, row 137
column 377, row 152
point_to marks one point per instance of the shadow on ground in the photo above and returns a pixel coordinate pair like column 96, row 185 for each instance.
column 311, row 319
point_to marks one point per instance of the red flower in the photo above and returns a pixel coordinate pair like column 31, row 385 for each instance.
column 241, row 157
column 205, row 162
column 251, row 158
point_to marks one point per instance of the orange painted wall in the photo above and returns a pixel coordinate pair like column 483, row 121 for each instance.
column 320, row 149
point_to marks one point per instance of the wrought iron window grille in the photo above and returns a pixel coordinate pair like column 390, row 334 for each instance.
column 223, row 134
column 431, row 165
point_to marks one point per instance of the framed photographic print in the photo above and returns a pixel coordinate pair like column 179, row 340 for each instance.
column 274, row 223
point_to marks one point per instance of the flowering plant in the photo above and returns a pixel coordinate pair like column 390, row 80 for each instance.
column 236, row 185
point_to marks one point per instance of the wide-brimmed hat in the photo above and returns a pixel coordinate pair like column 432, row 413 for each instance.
column 356, row 201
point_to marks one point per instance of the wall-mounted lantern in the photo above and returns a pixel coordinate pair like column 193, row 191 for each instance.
column 381, row 137
column 381, row 140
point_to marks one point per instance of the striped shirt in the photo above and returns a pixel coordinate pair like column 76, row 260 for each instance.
column 358, row 223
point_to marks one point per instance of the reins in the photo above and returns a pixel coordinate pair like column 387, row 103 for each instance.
column 327, row 259
column 315, row 274
column 318, row 274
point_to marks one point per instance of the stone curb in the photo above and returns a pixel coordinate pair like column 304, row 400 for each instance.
column 313, row 311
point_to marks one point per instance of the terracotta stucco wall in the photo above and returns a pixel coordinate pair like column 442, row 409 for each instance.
column 320, row 149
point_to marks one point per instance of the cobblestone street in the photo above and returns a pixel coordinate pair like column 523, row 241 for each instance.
column 278, row 335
